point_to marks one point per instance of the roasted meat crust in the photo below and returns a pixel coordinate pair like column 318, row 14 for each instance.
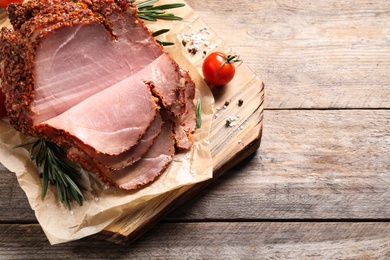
column 18, row 49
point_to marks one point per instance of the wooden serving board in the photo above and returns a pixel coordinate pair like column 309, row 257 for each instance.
column 229, row 144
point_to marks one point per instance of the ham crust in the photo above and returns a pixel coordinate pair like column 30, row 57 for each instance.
column 185, row 124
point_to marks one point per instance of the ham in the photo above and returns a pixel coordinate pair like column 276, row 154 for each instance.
column 109, row 127
column 89, row 76
column 124, row 159
column 185, row 124
column 152, row 164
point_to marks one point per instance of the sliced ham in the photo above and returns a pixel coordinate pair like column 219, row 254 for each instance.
column 142, row 172
column 106, row 121
column 89, row 76
column 185, row 124
column 129, row 157
column 152, row 164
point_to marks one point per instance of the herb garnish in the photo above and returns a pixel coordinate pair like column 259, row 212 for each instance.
column 148, row 11
column 56, row 171
column 198, row 113
column 159, row 32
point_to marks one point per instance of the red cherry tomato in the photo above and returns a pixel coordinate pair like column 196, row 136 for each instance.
column 5, row 3
column 3, row 112
column 218, row 68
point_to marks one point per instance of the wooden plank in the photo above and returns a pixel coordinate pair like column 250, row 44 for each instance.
column 215, row 240
column 311, row 165
column 328, row 54
column 13, row 201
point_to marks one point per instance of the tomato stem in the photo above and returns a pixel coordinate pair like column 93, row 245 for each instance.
column 232, row 58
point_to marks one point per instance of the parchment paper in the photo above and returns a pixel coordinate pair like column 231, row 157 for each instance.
column 106, row 204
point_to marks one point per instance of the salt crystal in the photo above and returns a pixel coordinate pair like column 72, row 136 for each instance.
column 233, row 118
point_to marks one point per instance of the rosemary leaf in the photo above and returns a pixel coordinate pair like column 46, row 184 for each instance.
column 146, row 3
column 149, row 12
column 75, row 189
column 198, row 113
column 31, row 152
column 59, row 175
column 145, row 7
column 166, row 6
column 164, row 43
column 45, row 184
column 170, row 17
column 24, row 144
column 159, row 32
column 76, row 197
column 147, row 18
column 60, row 192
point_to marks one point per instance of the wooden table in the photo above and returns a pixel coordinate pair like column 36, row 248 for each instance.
column 318, row 187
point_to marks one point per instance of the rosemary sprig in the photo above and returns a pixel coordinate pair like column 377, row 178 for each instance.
column 56, row 171
column 164, row 43
column 198, row 113
column 145, row 3
column 149, row 12
column 158, row 33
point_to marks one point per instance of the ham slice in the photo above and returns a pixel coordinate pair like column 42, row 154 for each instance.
column 152, row 164
column 109, row 127
column 124, row 159
column 185, row 124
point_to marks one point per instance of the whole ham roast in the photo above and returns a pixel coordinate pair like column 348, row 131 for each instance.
column 88, row 76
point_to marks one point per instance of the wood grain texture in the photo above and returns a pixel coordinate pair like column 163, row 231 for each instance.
column 13, row 201
column 324, row 153
column 312, row 164
column 330, row 54
column 245, row 240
